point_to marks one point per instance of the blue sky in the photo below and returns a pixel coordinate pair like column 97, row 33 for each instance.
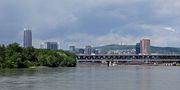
column 91, row 22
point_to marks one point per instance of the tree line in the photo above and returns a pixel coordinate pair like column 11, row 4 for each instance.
column 14, row 56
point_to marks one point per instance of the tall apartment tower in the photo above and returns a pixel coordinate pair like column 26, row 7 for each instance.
column 27, row 37
column 145, row 47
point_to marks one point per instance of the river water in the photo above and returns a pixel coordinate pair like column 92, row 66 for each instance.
column 92, row 77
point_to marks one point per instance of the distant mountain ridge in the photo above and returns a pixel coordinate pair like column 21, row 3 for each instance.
column 154, row 49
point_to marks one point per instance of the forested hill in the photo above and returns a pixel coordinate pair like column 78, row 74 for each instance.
column 154, row 49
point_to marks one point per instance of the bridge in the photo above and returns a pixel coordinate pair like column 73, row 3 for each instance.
column 128, row 58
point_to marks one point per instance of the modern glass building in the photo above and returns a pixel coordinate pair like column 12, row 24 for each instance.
column 50, row 45
column 138, row 48
column 27, row 37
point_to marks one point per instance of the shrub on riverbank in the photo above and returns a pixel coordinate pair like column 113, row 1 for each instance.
column 14, row 56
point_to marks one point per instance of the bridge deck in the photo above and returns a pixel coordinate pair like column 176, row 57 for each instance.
column 128, row 57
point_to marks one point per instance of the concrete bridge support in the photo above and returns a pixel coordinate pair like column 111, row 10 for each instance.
column 111, row 63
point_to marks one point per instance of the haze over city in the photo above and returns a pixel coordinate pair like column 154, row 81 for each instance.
column 91, row 22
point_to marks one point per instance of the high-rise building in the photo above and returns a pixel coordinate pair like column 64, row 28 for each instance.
column 27, row 37
column 138, row 50
column 72, row 49
column 49, row 45
column 88, row 50
column 145, row 46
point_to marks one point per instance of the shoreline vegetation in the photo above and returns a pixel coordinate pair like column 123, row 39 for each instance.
column 14, row 56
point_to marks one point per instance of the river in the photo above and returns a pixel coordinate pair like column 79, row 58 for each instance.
column 92, row 77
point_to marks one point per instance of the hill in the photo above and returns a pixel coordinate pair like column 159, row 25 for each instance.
column 154, row 49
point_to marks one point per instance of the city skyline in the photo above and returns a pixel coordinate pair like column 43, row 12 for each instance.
column 95, row 23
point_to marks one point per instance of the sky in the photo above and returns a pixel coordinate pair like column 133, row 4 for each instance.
column 91, row 22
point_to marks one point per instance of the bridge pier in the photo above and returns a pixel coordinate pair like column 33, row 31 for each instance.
column 111, row 63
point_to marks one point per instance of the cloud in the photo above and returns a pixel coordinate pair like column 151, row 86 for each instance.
column 167, row 8
column 154, row 28
column 169, row 29
column 95, row 22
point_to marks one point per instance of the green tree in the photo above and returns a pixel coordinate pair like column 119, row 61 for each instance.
column 14, row 56
column 2, row 53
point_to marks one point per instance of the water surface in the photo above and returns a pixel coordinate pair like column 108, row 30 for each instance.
column 92, row 77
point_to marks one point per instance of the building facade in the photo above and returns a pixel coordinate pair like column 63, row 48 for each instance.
column 49, row 45
column 88, row 50
column 72, row 49
column 145, row 47
column 95, row 51
column 27, row 38
column 138, row 48
column 80, row 51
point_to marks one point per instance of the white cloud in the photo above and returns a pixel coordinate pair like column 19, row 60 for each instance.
column 169, row 29
column 154, row 28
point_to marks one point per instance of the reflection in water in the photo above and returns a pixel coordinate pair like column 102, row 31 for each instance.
column 143, row 78
column 91, row 77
